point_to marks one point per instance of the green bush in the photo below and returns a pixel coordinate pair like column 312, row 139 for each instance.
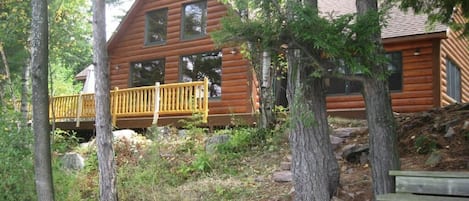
column 16, row 167
column 424, row 144
column 64, row 141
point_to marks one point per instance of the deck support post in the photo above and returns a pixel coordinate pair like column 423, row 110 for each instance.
column 114, row 108
column 157, row 104
column 79, row 108
column 205, row 117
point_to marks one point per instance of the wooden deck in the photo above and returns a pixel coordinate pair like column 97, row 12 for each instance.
column 142, row 106
column 429, row 186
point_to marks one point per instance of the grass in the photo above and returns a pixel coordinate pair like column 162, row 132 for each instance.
column 176, row 168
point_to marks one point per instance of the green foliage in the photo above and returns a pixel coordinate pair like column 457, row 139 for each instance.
column 244, row 139
column 16, row 167
column 64, row 141
column 65, row 182
column 424, row 144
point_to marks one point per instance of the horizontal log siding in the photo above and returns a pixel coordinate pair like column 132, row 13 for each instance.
column 417, row 90
column 128, row 46
column 456, row 49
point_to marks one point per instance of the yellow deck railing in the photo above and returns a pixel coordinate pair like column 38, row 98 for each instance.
column 166, row 99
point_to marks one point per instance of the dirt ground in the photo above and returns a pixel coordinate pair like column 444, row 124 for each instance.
column 419, row 135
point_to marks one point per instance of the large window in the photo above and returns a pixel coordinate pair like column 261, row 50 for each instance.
column 155, row 26
column 341, row 86
column 194, row 21
column 196, row 67
column 453, row 80
column 146, row 73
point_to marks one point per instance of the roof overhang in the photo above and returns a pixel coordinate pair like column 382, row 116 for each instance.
column 429, row 36
column 124, row 23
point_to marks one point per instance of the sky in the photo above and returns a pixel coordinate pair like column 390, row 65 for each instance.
column 112, row 16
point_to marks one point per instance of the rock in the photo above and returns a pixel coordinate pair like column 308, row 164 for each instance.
column 212, row 142
column 283, row 176
column 285, row 165
column 449, row 133
column 353, row 152
column 182, row 133
column 73, row 161
column 164, row 131
column 346, row 132
column 125, row 133
column 336, row 141
column 434, row 159
column 364, row 158
column 259, row 179
column 465, row 125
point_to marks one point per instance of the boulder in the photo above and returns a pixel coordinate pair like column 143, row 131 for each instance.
column 434, row 159
column 450, row 132
column 125, row 133
column 346, row 132
column 282, row 176
column 73, row 161
column 336, row 141
column 212, row 142
column 285, row 165
column 353, row 152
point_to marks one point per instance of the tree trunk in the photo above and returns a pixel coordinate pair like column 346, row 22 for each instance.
column 315, row 169
column 107, row 175
column 8, row 77
column 266, row 99
column 39, row 64
column 383, row 141
column 25, row 92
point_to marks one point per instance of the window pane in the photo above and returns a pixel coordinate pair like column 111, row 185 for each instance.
column 156, row 22
column 194, row 22
column 340, row 86
column 395, row 69
column 453, row 81
column 196, row 67
column 147, row 73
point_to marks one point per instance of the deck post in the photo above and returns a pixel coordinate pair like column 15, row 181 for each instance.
column 205, row 118
column 79, row 108
column 114, row 109
column 157, row 104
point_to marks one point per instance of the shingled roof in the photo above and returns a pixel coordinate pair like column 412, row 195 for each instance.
column 399, row 24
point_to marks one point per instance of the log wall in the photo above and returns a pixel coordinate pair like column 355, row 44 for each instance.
column 417, row 92
column 128, row 45
column 455, row 48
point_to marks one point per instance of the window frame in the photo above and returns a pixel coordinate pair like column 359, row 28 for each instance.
column 452, row 69
column 183, row 35
column 353, row 84
column 131, row 82
column 147, row 41
column 181, row 73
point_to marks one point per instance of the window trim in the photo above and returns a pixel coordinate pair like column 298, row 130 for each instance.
column 180, row 70
column 146, row 40
column 182, row 27
column 132, row 70
column 450, row 62
column 399, row 71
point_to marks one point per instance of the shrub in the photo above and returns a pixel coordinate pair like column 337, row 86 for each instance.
column 424, row 145
column 64, row 141
column 16, row 167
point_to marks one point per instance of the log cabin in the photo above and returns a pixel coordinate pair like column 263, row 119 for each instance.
column 429, row 64
column 168, row 42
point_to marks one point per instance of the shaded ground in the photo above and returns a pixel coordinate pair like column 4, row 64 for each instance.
column 419, row 135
